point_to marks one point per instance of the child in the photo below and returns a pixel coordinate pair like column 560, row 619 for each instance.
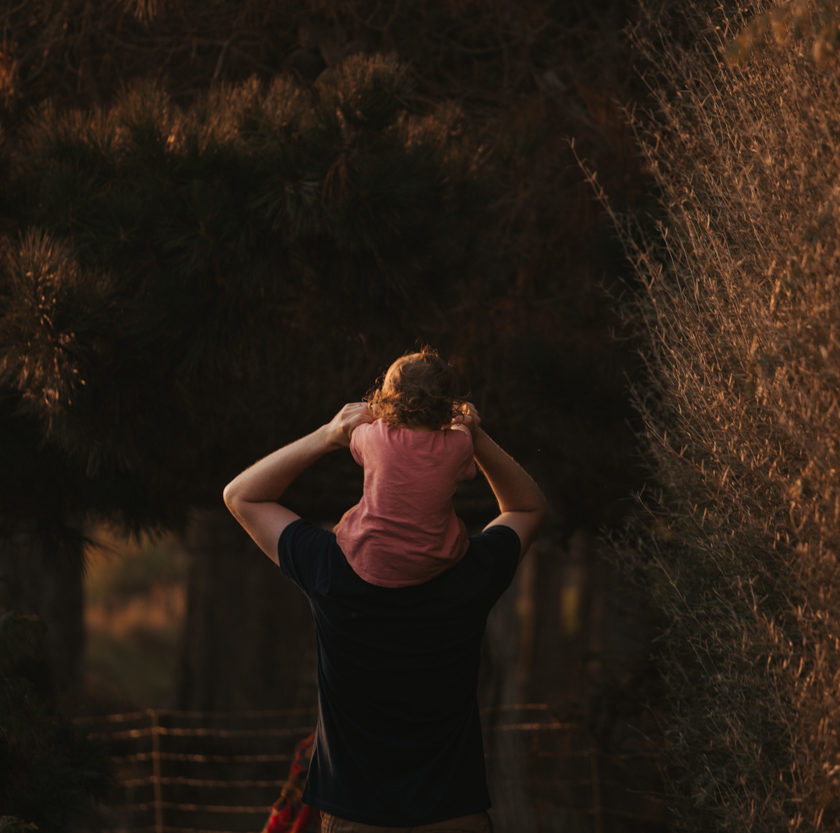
column 404, row 530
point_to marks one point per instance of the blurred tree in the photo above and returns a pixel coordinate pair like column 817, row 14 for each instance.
column 195, row 284
column 42, row 500
column 535, row 340
column 814, row 23
column 524, row 77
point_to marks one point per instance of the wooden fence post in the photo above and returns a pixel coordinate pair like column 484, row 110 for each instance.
column 157, row 785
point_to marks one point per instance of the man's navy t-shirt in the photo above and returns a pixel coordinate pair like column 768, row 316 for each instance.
column 398, row 739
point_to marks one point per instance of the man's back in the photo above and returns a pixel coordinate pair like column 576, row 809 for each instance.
column 399, row 738
column 387, row 668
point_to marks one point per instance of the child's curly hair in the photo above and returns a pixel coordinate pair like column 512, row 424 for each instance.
column 419, row 390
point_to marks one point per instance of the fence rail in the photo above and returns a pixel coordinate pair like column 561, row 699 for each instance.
column 212, row 772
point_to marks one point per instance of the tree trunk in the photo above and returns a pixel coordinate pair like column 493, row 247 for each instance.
column 42, row 574
column 248, row 636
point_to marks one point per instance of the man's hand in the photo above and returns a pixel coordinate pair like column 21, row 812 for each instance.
column 253, row 495
column 341, row 426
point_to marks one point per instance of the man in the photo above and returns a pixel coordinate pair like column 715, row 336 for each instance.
column 398, row 742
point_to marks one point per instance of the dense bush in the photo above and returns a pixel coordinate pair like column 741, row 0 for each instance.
column 740, row 540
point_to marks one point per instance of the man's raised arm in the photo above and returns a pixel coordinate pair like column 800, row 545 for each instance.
column 522, row 505
column 252, row 495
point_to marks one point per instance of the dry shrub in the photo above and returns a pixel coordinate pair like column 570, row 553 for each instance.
column 739, row 543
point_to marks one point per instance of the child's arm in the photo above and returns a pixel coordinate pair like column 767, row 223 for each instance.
column 252, row 495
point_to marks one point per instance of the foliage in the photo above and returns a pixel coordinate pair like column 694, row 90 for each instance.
column 508, row 79
column 119, row 568
column 810, row 21
column 188, row 251
column 50, row 771
column 80, row 54
column 10, row 824
column 738, row 543
column 154, row 127
column 135, row 592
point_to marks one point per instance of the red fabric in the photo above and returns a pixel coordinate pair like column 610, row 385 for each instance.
column 289, row 814
column 404, row 530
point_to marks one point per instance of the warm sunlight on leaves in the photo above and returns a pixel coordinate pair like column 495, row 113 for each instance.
column 799, row 23
column 739, row 544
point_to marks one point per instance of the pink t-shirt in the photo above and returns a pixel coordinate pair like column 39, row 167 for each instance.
column 404, row 530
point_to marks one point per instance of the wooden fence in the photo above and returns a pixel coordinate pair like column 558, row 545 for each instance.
column 200, row 772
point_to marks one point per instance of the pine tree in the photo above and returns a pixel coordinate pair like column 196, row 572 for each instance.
column 193, row 284
column 42, row 499
column 524, row 77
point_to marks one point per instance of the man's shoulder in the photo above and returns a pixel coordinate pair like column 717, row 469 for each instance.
column 303, row 533
column 494, row 552
column 304, row 550
column 498, row 537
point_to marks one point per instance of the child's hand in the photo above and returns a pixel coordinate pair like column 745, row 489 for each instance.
column 342, row 425
column 468, row 417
